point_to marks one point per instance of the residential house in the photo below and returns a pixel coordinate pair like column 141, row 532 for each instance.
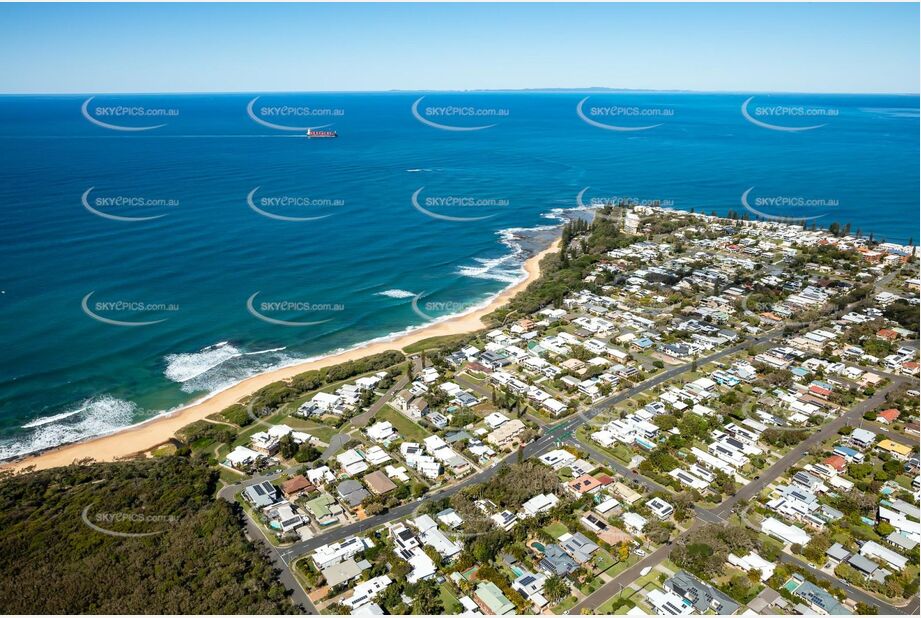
column 490, row 599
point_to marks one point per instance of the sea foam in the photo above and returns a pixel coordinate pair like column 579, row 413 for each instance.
column 396, row 294
column 93, row 417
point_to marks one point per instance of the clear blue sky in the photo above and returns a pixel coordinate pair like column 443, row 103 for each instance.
column 283, row 47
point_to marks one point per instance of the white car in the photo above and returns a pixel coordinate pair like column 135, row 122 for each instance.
column 645, row 571
column 639, row 552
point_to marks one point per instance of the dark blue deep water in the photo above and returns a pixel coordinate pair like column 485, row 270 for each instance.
column 197, row 251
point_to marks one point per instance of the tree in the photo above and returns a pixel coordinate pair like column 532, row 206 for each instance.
column 307, row 453
column 658, row 531
column 865, row 609
column 375, row 508
column 556, row 589
column 427, row 598
column 287, row 447
column 815, row 549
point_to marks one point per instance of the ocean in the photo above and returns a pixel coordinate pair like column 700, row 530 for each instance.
column 156, row 249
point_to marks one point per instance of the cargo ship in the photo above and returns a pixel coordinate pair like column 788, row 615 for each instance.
column 316, row 133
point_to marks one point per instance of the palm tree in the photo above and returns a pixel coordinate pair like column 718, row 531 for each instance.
column 556, row 588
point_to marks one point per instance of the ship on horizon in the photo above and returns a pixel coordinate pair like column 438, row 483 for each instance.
column 316, row 133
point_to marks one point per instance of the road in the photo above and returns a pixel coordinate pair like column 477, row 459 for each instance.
column 540, row 446
column 359, row 421
column 549, row 440
column 744, row 495
column 255, row 533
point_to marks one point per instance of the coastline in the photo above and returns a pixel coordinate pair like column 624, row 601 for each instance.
column 160, row 429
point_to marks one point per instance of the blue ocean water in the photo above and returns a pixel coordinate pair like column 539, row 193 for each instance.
column 238, row 226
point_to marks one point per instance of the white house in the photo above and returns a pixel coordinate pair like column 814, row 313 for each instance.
column 382, row 432
column 753, row 562
column 539, row 504
column 784, row 532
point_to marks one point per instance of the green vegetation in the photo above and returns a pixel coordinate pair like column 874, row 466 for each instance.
column 556, row 529
column 444, row 342
column 196, row 562
column 407, row 428
column 561, row 273
column 236, row 414
column 904, row 313
column 269, row 399
column 704, row 550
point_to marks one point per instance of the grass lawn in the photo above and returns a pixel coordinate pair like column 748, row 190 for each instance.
column 620, row 567
column 671, row 566
column 650, row 579
column 230, row 477
column 591, row 586
column 566, row 605
column 556, row 529
column 603, row 560
column 450, row 602
column 319, row 430
column 608, row 606
column 408, row 429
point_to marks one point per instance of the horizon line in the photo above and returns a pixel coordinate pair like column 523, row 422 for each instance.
column 575, row 90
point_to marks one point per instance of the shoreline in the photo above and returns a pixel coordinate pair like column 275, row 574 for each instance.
column 151, row 433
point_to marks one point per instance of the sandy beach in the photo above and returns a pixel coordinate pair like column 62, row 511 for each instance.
column 158, row 430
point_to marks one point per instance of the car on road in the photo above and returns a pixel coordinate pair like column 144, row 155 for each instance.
column 645, row 571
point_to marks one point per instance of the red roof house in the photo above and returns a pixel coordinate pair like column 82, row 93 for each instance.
column 887, row 416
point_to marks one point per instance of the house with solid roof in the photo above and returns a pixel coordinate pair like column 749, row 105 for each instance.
column 899, row 451
column 351, row 492
column 887, row 417
column 837, row 462
column 579, row 546
column 491, row 600
column 583, row 484
column 296, row 486
column 262, row 494
column 556, row 561
column 379, row 483
column 861, row 438
column 531, row 587
column 702, row 596
column 341, row 572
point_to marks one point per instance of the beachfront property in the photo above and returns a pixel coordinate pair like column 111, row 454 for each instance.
column 721, row 425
